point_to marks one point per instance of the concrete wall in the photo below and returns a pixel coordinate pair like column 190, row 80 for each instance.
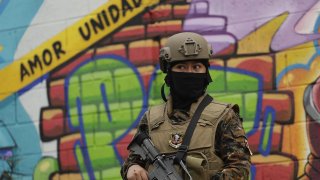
column 76, row 77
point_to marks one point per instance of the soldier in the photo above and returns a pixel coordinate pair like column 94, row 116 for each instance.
column 218, row 148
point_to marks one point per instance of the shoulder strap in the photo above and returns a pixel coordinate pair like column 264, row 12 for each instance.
column 187, row 138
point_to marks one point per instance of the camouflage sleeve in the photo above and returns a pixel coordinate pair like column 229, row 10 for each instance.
column 232, row 147
column 135, row 159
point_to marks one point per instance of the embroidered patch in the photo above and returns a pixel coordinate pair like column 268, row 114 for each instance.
column 176, row 140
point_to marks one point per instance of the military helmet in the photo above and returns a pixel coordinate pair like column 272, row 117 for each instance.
column 182, row 47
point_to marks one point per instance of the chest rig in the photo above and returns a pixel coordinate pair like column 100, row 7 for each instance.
column 201, row 159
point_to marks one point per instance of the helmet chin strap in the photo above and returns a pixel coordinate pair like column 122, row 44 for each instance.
column 163, row 95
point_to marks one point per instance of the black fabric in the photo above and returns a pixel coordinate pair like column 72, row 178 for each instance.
column 186, row 88
column 190, row 129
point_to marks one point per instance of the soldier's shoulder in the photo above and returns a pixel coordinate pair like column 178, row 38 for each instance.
column 155, row 113
column 225, row 105
column 156, row 108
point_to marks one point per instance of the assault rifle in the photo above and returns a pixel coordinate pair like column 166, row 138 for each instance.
column 163, row 166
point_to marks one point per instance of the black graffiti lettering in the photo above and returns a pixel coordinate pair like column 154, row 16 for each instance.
column 125, row 6
column 105, row 17
column 42, row 60
column 88, row 34
column 23, row 72
column 114, row 13
column 47, row 57
column 34, row 63
column 136, row 3
column 97, row 24
column 57, row 47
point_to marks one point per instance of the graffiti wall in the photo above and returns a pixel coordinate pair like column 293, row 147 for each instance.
column 76, row 77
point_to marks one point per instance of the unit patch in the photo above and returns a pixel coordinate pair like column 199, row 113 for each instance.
column 176, row 140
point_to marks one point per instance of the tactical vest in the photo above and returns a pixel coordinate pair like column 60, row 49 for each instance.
column 201, row 160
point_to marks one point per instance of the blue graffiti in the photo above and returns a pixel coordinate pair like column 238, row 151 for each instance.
column 17, row 14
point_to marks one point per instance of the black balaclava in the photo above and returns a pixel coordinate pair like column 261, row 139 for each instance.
column 186, row 88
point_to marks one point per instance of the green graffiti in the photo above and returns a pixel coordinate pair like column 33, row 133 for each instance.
column 155, row 90
column 236, row 87
column 45, row 167
column 111, row 100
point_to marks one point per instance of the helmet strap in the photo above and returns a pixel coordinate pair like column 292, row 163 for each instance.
column 163, row 95
column 209, row 79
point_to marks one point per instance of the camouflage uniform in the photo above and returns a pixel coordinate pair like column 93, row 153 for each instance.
column 225, row 152
column 230, row 145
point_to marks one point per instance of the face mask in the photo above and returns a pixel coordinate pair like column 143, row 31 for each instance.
column 186, row 88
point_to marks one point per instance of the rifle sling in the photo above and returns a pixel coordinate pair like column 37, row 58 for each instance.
column 190, row 129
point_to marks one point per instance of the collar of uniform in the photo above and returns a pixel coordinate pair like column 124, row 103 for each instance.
column 176, row 116
column 193, row 106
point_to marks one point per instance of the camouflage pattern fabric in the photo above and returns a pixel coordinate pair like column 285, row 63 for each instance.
column 231, row 146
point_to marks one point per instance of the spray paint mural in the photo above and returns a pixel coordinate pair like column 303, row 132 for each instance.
column 75, row 78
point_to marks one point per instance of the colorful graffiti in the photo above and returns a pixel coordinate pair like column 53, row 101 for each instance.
column 75, row 80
